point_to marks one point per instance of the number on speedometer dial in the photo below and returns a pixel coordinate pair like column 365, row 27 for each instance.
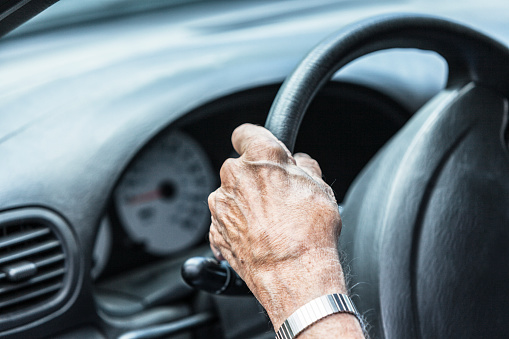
column 162, row 198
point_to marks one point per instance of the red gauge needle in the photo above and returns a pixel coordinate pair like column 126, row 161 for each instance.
column 144, row 197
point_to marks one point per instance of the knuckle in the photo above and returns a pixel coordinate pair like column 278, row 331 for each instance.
column 211, row 200
column 314, row 164
column 240, row 130
column 311, row 163
column 227, row 171
column 272, row 145
column 215, row 236
column 211, row 238
column 301, row 155
column 266, row 149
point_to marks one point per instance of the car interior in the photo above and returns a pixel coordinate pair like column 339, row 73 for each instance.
column 117, row 116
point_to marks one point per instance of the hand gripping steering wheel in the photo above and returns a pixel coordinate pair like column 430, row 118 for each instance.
column 426, row 224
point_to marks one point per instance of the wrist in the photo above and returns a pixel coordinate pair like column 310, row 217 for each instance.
column 282, row 290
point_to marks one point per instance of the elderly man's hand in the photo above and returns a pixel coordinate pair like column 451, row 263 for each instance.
column 277, row 223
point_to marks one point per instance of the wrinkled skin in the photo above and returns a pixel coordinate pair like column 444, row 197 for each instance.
column 277, row 224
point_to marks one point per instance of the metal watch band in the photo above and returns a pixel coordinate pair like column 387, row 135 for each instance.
column 313, row 311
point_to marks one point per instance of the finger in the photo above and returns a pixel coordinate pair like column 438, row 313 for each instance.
column 212, row 204
column 215, row 251
column 227, row 173
column 220, row 248
column 256, row 143
column 288, row 153
column 215, row 214
column 308, row 164
column 221, row 211
column 215, row 224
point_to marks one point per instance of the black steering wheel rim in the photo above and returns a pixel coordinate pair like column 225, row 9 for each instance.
column 470, row 55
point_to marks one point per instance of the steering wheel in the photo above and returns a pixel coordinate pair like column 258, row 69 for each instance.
column 426, row 223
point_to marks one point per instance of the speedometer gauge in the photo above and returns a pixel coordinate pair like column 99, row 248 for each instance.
column 162, row 198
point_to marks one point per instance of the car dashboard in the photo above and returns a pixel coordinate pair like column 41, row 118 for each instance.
column 114, row 127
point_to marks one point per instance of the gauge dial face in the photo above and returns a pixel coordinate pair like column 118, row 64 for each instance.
column 162, row 198
column 102, row 248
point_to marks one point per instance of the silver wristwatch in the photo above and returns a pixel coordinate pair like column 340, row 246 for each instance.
column 315, row 310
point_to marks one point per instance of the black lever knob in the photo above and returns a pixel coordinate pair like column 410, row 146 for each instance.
column 210, row 275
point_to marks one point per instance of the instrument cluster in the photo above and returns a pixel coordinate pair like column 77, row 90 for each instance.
column 159, row 206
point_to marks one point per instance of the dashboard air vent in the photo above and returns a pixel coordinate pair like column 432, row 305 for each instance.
column 35, row 265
